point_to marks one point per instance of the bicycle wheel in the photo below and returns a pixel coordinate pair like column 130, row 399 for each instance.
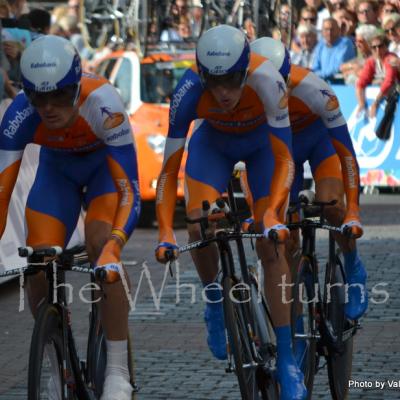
column 303, row 317
column 45, row 371
column 98, row 22
column 339, row 361
column 266, row 382
column 239, row 344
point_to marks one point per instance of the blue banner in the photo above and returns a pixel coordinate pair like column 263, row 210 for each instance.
column 378, row 159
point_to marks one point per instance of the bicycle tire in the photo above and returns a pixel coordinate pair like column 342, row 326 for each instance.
column 96, row 33
column 238, row 343
column 47, row 339
column 339, row 362
column 266, row 381
column 304, row 303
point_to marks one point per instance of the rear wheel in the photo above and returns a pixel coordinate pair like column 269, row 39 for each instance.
column 339, row 359
column 239, row 345
column 45, row 373
column 303, row 317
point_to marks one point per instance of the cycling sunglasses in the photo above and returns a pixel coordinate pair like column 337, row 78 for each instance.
column 64, row 97
column 233, row 80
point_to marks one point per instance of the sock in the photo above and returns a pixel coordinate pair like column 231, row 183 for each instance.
column 284, row 341
column 117, row 358
column 213, row 294
column 351, row 261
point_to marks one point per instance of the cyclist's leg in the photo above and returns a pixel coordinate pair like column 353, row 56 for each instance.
column 52, row 211
column 102, row 200
column 327, row 173
column 260, row 169
column 207, row 183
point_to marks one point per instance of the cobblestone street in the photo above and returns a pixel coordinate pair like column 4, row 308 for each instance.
column 172, row 359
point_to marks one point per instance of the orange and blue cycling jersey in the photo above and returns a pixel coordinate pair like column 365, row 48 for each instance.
column 320, row 134
column 92, row 162
column 256, row 131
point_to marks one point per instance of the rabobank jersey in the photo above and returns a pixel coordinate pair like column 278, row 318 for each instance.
column 264, row 99
column 102, row 121
column 311, row 98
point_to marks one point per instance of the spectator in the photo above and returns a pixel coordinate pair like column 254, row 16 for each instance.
column 347, row 21
column 308, row 15
column 307, row 35
column 322, row 11
column 169, row 32
column 196, row 18
column 335, row 5
column 367, row 12
column 387, row 9
column 250, row 29
column 184, row 28
column 178, row 9
column 391, row 26
column 17, row 8
column 378, row 69
column 331, row 51
column 352, row 68
column 40, row 22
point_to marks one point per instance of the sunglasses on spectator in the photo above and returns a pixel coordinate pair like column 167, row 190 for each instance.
column 391, row 30
column 389, row 10
column 311, row 19
column 365, row 11
column 377, row 46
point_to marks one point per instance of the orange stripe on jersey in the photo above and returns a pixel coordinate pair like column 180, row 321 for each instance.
column 166, row 195
column 349, row 172
column 89, row 83
column 283, row 173
column 297, row 74
column 197, row 192
column 78, row 135
column 125, row 194
column 103, row 208
column 299, row 114
column 53, row 234
column 329, row 168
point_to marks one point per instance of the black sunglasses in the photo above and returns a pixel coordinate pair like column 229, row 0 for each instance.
column 308, row 19
column 378, row 46
column 64, row 97
column 391, row 30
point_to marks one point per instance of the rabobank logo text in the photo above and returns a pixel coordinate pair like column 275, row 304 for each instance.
column 177, row 98
column 15, row 123
column 117, row 135
column 218, row 53
column 43, row 64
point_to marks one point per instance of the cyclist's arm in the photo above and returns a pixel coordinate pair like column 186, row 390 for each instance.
column 271, row 89
column 182, row 113
column 326, row 105
column 16, row 131
column 121, row 157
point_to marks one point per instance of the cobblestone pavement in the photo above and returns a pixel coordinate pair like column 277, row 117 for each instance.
column 173, row 361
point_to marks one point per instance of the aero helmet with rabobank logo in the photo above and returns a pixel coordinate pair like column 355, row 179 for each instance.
column 222, row 56
column 275, row 51
column 50, row 63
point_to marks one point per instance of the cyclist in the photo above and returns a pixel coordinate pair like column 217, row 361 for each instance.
column 238, row 119
column 87, row 156
column 321, row 136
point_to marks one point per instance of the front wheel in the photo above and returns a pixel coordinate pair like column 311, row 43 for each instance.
column 303, row 320
column 45, row 371
column 340, row 357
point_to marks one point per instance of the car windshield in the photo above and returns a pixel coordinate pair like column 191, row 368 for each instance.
column 160, row 78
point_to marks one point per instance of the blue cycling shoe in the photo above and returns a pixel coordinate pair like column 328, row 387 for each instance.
column 356, row 278
column 291, row 380
column 216, row 339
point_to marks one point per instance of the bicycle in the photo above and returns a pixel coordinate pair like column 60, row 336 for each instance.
column 53, row 359
column 115, row 20
column 327, row 332
column 248, row 323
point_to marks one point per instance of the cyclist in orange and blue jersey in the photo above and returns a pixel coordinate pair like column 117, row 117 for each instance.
column 321, row 136
column 87, row 157
column 239, row 102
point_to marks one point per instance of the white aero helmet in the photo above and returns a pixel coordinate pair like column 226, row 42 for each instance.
column 222, row 56
column 275, row 51
column 50, row 63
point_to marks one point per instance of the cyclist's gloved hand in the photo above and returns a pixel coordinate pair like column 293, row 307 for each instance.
column 273, row 229
column 166, row 251
column 352, row 225
column 109, row 262
column 248, row 225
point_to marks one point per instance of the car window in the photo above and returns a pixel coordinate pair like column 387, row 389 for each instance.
column 123, row 81
column 159, row 80
column 105, row 67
